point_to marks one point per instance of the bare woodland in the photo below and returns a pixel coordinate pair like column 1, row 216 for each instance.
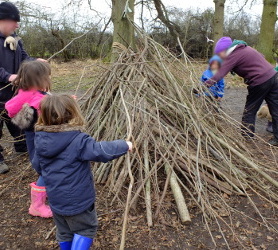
column 185, row 148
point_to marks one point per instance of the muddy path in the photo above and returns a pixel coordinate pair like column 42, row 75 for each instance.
column 233, row 104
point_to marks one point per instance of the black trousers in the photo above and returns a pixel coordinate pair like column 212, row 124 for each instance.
column 267, row 91
column 85, row 224
column 16, row 133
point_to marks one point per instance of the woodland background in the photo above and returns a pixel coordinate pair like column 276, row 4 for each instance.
column 44, row 32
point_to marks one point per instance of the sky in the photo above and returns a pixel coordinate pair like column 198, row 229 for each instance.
column 103, row 5
column 82, row 16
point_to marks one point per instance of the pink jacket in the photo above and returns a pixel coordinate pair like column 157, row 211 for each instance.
column 31, row 97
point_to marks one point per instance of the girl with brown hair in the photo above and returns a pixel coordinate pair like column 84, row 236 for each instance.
column 62, row 156
column 32, row 82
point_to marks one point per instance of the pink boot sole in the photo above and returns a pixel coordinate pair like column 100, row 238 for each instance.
column 34, row 212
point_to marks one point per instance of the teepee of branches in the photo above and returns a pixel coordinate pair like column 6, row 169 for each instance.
column 181, row 140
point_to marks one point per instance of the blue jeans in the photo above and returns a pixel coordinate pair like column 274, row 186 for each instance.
column 30, row 137
column 40, row 182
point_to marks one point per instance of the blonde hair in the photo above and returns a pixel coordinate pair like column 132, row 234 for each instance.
column 60, row 109
column 33, row 74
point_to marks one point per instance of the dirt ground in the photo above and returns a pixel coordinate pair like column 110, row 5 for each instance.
column 18, row 230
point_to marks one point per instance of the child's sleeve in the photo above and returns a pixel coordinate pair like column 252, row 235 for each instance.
column 103, row 151
column 204, row 78
column 14, row 105
column 36, row 163
column 221, row 88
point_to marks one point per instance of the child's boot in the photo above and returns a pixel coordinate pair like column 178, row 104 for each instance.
column 66, row 245
column 38, row 199
column 269, row 127
column 81, row 242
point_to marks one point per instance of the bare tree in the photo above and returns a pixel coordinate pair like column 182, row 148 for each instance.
column 122, row 14
column 267, row 33
column 218, row 23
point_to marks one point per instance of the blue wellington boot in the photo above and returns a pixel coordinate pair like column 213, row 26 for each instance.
column 81, row 242
column 65, row 245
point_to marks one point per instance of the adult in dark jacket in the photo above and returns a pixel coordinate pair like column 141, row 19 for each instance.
column 12, row 54
column 62, row 156
column 258, row 74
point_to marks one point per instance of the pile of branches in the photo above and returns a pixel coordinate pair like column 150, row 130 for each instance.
column 184, row 143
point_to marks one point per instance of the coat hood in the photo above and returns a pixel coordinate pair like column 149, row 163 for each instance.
column 50, row 141
column 238, row 42
column 215, row 58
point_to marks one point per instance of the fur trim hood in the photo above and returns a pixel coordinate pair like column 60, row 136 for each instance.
column 24, row 119
column 59, row 128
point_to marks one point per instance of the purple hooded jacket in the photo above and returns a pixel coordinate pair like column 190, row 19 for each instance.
column 248, row 63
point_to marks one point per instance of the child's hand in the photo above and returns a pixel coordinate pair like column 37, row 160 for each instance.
column 12, row 78
column 42, row 60
column 74, row 97
column 130, row 146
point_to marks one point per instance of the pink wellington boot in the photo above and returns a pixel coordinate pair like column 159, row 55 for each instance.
column 38, row 199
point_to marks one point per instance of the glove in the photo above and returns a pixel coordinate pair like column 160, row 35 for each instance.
column 12, row 42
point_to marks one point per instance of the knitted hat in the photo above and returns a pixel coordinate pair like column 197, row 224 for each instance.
column 9, row 11
column 223, row 44
column 215, row 58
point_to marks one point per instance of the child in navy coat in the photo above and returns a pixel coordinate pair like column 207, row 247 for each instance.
column 217, row 90
column 62, row 156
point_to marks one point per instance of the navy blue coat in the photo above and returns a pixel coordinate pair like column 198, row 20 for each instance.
column 63, row 160
column 10, row 61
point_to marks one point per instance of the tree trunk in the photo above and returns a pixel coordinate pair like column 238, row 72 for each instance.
column 266, row 39
column 218, row 22
column 59, row 37
column 123, row 29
